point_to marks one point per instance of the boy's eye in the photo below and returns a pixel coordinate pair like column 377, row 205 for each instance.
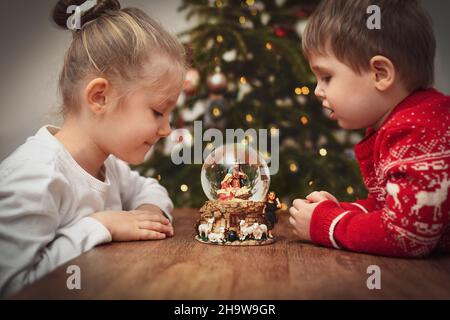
column 326, row 79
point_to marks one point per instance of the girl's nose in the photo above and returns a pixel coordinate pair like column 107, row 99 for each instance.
column 165, row 130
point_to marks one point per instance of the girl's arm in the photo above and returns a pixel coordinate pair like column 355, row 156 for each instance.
column 32, row 241
column 137, row 190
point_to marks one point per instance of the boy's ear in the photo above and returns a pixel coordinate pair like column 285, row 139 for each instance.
column 96, row 94
column 383, row 71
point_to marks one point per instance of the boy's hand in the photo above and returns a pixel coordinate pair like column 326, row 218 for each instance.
column 300, row 219
column 135, row 225
column 318, row 196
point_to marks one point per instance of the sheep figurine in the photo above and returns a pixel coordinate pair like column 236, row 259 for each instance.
column 259, row 230
column 217, row 237
column 245, row 231
column 205, row 228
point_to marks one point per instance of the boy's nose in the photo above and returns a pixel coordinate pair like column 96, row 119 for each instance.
column 319, row 92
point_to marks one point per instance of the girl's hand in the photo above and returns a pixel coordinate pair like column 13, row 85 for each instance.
column 300, row 219
column 318, row 196
column 134, row 225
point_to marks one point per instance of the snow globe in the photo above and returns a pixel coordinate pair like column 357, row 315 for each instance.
column 236, row 179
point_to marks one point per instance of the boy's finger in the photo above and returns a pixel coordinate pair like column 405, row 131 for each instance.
column 328, row 196
column 299, row 203
column 292, row 221
column 316, row 197
column 293, row 211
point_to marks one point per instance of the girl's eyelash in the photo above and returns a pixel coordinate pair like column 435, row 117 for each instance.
column 158, row 114
column 326, row 79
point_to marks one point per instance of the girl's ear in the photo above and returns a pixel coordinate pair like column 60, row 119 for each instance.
column 383, row 71
column 96, row 94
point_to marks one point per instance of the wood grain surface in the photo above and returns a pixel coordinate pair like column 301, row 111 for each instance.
column 182, row 268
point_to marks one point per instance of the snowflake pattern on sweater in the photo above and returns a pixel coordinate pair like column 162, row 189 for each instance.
column 406, row 168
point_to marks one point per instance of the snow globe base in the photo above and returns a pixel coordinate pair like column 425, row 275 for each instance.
column 233, row 223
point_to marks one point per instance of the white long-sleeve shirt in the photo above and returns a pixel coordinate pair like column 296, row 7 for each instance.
column 45, row 202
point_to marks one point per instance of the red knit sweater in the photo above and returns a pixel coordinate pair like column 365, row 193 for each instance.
column 406, row 169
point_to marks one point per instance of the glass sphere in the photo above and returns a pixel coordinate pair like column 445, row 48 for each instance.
column 235, row 171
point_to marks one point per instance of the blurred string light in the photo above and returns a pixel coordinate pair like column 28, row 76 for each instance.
column 250, row 2
column 269, row 46
column 293, row 167
column 323, row 152
column 302, row 91
column 184, row 188
column 242, row 20
column 304, row 120
column 216, row 112
column 243, row 80
column 350, row 190
column 219, row 38
column 305, row 90
column 249, row 118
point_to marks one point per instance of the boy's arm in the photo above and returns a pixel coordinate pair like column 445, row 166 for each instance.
column 363, row 205
column 415, row 214
column 137, row 191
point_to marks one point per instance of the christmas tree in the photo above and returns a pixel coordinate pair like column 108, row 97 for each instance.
column 248, row 71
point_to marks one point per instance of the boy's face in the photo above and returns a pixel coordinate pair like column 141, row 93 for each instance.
column 351, row 98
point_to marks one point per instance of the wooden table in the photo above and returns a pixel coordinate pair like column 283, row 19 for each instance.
column 182, row 268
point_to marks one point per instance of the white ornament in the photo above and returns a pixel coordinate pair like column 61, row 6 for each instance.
column 300, row 27
column 229, row 56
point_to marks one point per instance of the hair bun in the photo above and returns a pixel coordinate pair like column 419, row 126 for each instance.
column 60, row 14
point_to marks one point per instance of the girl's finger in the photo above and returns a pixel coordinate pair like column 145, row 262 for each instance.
column 156, row 226
column 145, row 215
column 151, row 235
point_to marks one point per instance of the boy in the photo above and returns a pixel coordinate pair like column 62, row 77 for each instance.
column 380, row 79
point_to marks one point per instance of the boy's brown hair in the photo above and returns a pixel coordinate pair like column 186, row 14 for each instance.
column 406, row 37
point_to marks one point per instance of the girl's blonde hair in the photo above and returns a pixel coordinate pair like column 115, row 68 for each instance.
column 113, row 43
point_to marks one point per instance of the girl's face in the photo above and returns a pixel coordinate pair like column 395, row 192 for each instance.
column 129, row 130
column 271, row 196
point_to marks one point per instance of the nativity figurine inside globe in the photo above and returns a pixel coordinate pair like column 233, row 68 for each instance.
column 236, row 179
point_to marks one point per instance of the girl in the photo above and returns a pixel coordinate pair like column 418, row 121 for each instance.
column 69, row 189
